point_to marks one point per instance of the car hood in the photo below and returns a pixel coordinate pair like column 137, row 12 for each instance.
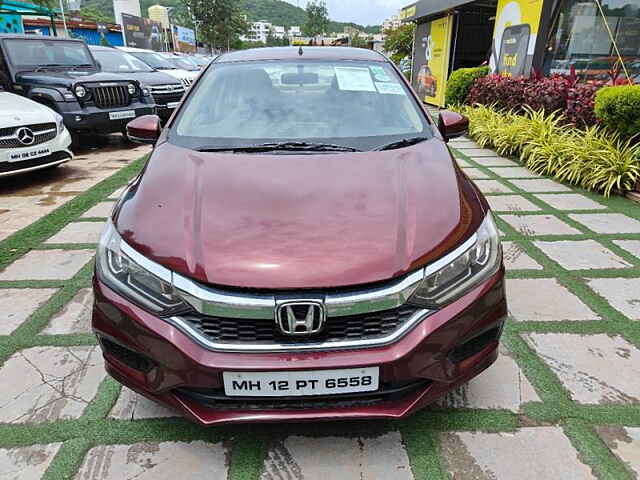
column 153, row 78
column 16, row 110
column 68, row 78
column 298, row 221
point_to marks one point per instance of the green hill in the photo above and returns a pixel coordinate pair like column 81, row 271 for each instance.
column 277, row 12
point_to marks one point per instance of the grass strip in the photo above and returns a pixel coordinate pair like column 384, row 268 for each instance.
column 19, row 243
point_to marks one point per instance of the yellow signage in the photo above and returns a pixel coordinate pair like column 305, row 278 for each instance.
column 514, row 37
column 408, row 12
column 432, row 60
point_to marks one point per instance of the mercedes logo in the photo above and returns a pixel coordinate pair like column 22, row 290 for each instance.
column 25, row 135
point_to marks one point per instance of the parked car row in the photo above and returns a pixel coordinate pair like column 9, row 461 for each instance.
column 56, row 89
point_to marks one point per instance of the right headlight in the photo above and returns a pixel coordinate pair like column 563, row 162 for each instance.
column 135, row 277
column 461, row 270
column 80, row 91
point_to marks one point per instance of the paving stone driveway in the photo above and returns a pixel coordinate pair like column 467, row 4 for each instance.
column 561, row 402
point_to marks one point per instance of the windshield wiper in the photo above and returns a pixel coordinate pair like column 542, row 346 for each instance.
column 48, row 65
column 83, row 65
column 285, row 146
column 405, row 142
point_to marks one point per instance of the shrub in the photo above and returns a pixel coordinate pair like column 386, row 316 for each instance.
column 549, row 94
column 460, row 83
column 580, row 104
column 619, row 109
column 505, row 93
column 593, row 158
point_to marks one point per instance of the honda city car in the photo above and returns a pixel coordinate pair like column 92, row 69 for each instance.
column 301, row 245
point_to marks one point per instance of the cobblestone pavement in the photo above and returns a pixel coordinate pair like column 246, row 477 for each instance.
column 561, row 402
column 27, row 198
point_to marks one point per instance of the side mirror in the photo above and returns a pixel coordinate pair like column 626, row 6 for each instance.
column 144, row 129
column 452, row 124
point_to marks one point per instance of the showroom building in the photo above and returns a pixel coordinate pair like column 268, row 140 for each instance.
column 598, row 39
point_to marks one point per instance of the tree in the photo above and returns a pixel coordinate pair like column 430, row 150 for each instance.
column 359, row 41
column 399, row 42
column 317, row 18
column 93, row 13
column 221, row 21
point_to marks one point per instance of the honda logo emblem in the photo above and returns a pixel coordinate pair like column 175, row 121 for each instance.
column 25, row 135
column 300, row 318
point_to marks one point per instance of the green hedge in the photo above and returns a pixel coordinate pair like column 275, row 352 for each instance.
column 460, row 82
column 594, row 158
column 618, row 108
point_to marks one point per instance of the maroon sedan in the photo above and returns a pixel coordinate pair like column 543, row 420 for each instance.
column 301, row 245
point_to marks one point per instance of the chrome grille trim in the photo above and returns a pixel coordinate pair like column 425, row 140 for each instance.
column 203, row 341
column 261, row 306
column 43, row 132
column 167, row 89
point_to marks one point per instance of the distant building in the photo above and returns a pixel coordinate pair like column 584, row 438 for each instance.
column 278, row 31
column 392, row 23
column 159, row 14
column 259, row 31
column 294, row 31
column 132, row 7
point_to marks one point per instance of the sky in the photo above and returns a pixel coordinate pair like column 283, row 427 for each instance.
column 363, row 12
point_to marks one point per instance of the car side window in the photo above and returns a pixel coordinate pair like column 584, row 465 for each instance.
column 5, row 78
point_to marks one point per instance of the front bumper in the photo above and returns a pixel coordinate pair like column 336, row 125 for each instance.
column 91, row 119
column 446, row 349
column 32, row 158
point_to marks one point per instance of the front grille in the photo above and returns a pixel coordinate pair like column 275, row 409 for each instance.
column 43, row 133
column 34, row 162
column 264, row 331
column 216, row 399
column 163, row 98
column 110, row 97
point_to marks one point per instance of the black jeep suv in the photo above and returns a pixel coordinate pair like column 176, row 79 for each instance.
column 166, row 90
column 62, row 74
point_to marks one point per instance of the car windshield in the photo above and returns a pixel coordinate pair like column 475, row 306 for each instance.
column 48, row 53
column 184, row 64
column 359, row 105
column 154, row 60
column 120, row 62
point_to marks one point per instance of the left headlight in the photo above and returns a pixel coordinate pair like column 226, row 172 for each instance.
column 461, row 270
column 134, row 276
column 60, row 123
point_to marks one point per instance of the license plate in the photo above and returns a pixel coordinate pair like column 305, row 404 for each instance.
column 122, row 115
column 303, row 383
column 173, row 104
column 29, row 154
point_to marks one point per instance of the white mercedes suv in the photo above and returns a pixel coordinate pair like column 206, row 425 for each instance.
column 32, row 136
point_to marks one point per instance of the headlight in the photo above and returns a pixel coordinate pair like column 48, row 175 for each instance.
column 129, row 273
column 80, row 91
column 60, row 123
column 146, row 92
column 132, row 89
column 458, row 272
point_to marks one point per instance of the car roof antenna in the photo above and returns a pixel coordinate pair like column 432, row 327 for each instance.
column 300, row 52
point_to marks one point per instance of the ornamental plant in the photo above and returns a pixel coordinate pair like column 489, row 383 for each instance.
column 560, row 93
column 619, row 109
column 593, row 158
column 461, row 81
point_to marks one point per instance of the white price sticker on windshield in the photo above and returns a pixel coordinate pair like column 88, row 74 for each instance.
column 354, row 79
column 390, row 88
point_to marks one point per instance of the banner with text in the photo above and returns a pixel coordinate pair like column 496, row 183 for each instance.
column 184, row 39
column 514, row 36
column 431, row 59
column 142, row 33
